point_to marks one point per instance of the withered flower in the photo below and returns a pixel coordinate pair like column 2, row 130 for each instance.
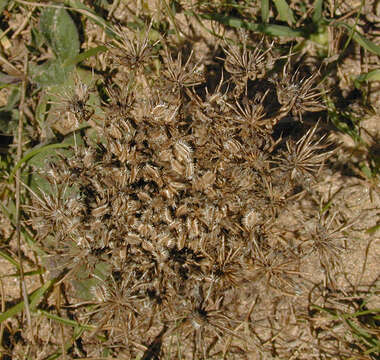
column 245, row 64
column 275, row 271
column 298, row 95
column 175, row 206
column 304, row 158
column 251, row 115
column 114, row 305
column 71, row 105
column 326, row 238
column 131, row 49
column 181, row 76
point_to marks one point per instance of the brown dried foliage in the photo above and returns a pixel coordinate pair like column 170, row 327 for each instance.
column 180, row 197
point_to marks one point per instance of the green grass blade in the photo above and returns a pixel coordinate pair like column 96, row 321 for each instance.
column 39, row 293
column 317, row 13
column 3, row 4
column 28, row 273
column 64, row 320
column 85, row 55
column 34, row 152
column 172, row 18
column 13, row 311
column 326, row 310
column 373, row 229
column 373, row 75
column 269, row 29
column 9, row 258
column 78, row 331
column 29, row 240
column 265, row 10
column 285, row 12
column 91, row 15
column 360, row 39
column 364, row 335
column 344, row 122
column 34, row 298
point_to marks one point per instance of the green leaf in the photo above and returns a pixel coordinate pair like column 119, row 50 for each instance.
column 65, row 321
column 3, row 4
column 60, row 32
column 41, row 109
column 373, row 75
column 38, row 38
column 285, row 12
column 85, row 55
column 38, row 294
column 373, row 229
column 13, row 99
column 83, row 284
column 28, row 273
column 50, row 73
column 317, row 13
column 13, row 311
column 91, row 15
column 265, row 10
column 269, row 29
column 35, row 152
column 34, row 299
column 360, row 39
column 8, row 257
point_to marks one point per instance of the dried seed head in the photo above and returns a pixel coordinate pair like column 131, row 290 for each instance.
column 71, row 105
column 298, row 95
column 131, row 49
column 245, row 64
column 181, row 76
column 303, row 159
column 183, row 151
column 251, row 219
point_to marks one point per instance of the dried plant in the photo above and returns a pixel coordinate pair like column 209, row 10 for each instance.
column 244, row 64
column 298, row 95
column 131, row 49
column 225, row 269
column 206, row 324
column 252, row 116
column 179, row 199
column 115, row 307
column 55, row 213
column 326, row 238
column 179, row 75
column 275, row 270
column 303, row 159
column 71, row 105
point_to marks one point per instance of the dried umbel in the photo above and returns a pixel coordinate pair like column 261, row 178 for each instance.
column 179, row 200
column 252, row 116
column 305, row 158
column 132, row 50
column 72, row 105
column 326, row 238
column 181, row 75
column 298, row 95
column 244, row 64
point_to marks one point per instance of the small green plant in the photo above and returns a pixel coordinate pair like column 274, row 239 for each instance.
column 361, row 329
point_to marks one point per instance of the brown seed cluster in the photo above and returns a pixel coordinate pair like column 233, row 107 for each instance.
column 171, row 215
